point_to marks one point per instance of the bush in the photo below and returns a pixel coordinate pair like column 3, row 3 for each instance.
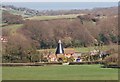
column 35, row 58
column 113, row 38
column 103, row 38
column 112, row 59
column 44, row 60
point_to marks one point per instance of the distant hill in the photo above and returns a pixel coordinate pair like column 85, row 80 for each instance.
column 26, row 12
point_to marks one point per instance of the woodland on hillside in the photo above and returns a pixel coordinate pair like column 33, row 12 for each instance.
column 82, row 31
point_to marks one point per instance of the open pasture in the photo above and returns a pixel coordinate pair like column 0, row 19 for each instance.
column 52, row 17
column 83, row 49
column 60, row 72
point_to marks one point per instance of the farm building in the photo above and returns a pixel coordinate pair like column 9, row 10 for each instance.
column 64, row 55
column 3, row 39
column 71, row 55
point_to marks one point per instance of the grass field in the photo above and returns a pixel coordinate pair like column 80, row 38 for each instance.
column 53, row 17
column 13, row 27
column 71, row 72
column 84, row 49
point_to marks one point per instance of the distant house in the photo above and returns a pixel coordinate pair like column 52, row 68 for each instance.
column 62, row 54
column 69, row 51
column 94, row 52
column 3, row 39
column 77, row 56
column 52, row 58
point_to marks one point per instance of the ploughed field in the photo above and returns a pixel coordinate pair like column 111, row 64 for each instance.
column 60, row 72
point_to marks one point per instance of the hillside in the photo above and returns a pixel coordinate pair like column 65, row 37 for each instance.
column 94, row 23
column 26, row 31
column 24, row 12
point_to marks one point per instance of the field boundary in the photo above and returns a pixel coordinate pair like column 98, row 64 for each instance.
column 48, row 63
column 59, row 63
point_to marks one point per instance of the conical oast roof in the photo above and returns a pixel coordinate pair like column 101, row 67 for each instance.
column 59, row 49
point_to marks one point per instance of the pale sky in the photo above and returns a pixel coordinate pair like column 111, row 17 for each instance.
column 60, row 1
column 61, row 5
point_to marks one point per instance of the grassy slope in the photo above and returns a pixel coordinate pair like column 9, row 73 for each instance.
column 75, row 72
column 13, row 27
column 16, row 12
column 53, row 17
column 88, row 49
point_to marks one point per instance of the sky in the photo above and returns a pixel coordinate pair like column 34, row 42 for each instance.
column 59, row 0
column 61, row 5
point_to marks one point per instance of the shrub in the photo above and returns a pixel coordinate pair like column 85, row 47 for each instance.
column 113, row 38
column 103, row 38
column 112, row 59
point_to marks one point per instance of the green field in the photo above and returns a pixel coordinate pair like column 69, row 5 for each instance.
column 84, row 49
column 53, row 17
column 71, row 72
column 13, row 28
